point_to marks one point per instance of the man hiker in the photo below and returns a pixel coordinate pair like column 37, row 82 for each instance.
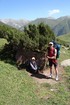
column 51, row 55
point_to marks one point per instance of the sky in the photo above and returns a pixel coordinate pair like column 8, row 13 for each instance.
column 33, row 9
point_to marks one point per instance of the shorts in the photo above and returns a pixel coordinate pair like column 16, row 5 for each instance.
column 53, row 63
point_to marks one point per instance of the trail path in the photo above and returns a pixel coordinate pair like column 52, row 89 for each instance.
column 44, row 77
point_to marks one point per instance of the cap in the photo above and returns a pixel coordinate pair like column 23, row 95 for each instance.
column 33, row 58
column 51, row 43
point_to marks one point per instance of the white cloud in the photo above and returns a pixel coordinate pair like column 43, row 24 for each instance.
column 52, row 12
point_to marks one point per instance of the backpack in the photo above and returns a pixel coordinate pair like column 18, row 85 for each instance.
column 57, row 47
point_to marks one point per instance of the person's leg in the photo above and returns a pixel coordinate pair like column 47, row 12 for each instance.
column 50, row 65
column 56, row 71
column 50, row 71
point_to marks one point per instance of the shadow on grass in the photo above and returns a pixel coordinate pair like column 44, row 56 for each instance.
column 40, row 76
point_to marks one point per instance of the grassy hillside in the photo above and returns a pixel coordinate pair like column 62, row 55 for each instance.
column 18, row 88
column 64, row 54
column 2, row 42
column 65, row 37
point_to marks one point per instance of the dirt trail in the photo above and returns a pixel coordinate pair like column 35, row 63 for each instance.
column 44, row 77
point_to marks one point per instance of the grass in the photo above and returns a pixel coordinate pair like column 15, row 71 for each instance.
column 2, row 43
column 64, row 54
column 65, row 37
column 17, row 88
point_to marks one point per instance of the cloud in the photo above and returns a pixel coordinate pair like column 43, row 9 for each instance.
column 52, row 12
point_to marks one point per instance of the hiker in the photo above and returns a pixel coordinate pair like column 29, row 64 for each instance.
column 33, row 65
column 51, row 55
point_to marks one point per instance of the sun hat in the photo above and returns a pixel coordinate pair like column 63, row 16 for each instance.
column 51, row 43
column 33, row 58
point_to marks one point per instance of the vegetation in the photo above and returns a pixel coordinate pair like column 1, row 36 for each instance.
column 64, row 54
column 34, row 38
column 2, row 43
column 65, row 37
column 64, row 40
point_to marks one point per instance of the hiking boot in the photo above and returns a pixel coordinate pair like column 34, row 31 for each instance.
column 57, row 78
column 50, row 76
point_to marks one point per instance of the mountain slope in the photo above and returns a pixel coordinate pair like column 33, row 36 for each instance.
column 15, row 23
column 59, row 26
column 63, row 27
column 65, row 37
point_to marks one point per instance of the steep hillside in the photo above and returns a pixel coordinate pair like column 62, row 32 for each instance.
column 65, row 37
column 63, row 26
column 1, row 23
column 15, row 23
column 60, row 25
column 50, row 22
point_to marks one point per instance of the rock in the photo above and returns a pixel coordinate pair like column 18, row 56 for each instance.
column 65, row 63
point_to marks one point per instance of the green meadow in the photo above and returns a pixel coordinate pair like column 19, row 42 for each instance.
column 65, row 37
